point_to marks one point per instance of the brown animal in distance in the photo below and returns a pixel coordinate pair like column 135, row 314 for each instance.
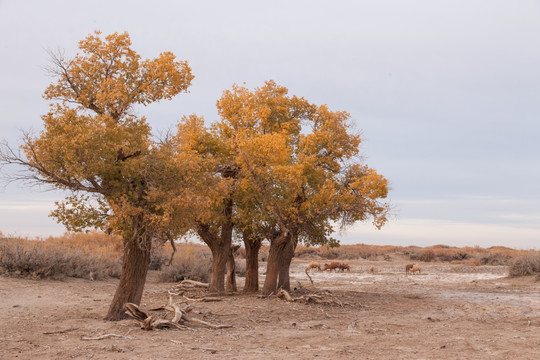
column 416, row 269
column 344, row 267
column 372, row 269
column 332, row 266
column 408, row 268
column 313, row 265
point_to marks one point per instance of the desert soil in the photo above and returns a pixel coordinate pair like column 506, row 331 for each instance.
column 449, row 311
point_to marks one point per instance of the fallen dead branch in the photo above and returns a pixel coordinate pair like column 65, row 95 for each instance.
column 107, row 336
column 309, row 276
column 212, row 351
column 203, row 299
column 190, row 284
column 310, row 298
column 60, row 331
column 178, row 321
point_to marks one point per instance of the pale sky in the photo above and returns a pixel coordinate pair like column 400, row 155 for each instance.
column 445, row 93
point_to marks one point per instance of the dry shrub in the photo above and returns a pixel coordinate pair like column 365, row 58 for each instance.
column 305, row 252
column 346, row 252
column 474, row 263
column 56, row 258
column 466, row 262
column 158, row 258
column 191, row 261
column 527, row 264
column 95, row 242
column 361, row 251
column 450, row 254
column 496, row 259
column 327, row 252
column 240, row 267
column 426, row 255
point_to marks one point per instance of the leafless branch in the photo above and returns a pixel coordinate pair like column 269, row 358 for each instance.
column 36, row 171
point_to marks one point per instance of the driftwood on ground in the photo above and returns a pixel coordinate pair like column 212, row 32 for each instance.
column 326, row 298
column 107, row 336
column 178, row 321
column 191, row 285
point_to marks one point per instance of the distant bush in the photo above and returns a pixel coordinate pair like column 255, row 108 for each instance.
column 44, row 259
column 346, row 252
column 496, row 259
column 157, row 257
column 528, row 264
column 496, row 255
column 264, row 252
column 190, row 262
column 240, row 267
column 327, row 252
column 306, row 252
column 424, row 255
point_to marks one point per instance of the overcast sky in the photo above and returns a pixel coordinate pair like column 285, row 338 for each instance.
column 445, row 93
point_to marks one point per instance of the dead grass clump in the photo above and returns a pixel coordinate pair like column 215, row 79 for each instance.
column 41, row 259
column 191, row 262
column 527, row 264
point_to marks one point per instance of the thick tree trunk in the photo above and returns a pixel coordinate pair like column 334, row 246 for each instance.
column 252, row 264
column 219, row 261
column 132, row 279
column 220, row 247
column 285, row 259
column 230, row 278
column 274, row 263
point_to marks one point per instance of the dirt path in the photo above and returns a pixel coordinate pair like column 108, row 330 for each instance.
column 448, row 311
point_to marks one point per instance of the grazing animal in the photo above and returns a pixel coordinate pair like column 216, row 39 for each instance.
column 313, row 265
column 408, row 268
column 415, row 269
column 372, row 269
column 332, row 266
column 344, row 267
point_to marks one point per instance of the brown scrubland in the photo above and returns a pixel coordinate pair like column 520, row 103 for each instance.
column 80, row 254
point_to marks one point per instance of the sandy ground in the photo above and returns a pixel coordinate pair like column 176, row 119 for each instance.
column 449, row 311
